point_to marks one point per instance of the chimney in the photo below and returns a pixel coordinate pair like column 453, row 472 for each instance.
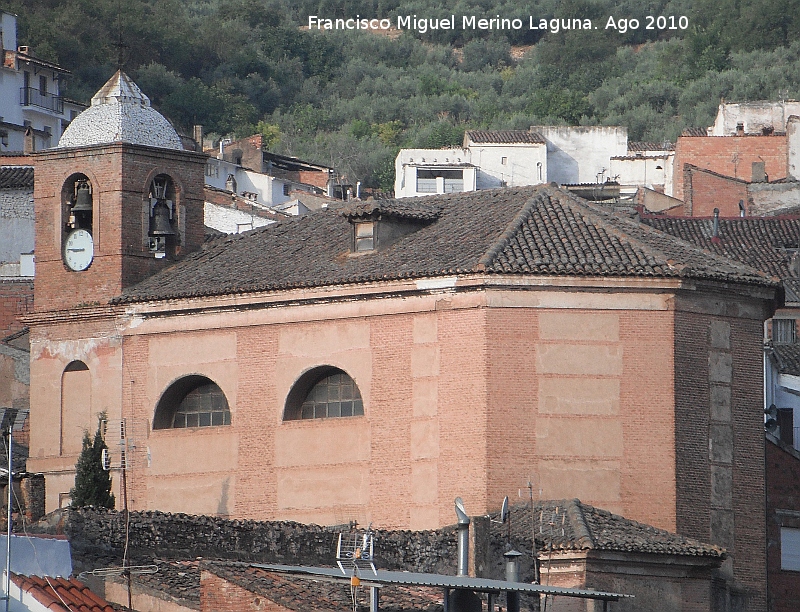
column 198, row 137
column 29, row 145
column 512, row 575
column 759, row 172
column 715, row 227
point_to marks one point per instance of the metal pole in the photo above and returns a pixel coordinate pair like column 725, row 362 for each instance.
column 8, row 527
column 374, row 599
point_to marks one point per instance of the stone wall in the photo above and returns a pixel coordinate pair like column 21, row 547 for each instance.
column 93, row 531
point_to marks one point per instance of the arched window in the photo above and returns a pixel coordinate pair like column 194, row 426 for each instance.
column 321, row 393
column 192, row 401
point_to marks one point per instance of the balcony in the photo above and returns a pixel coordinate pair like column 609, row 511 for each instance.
column 28, row 96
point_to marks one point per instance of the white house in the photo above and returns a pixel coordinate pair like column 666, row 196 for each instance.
column 646, row 164
column 507, row 158
column 487, row 159
column 30, row 95
column 569, row 155
column 753, row 117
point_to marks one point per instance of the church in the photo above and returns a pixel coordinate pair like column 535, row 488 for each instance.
column 376, row 359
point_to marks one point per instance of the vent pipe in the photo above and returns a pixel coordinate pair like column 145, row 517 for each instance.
column 715, row 227
column 512, row 575
column 463, row 538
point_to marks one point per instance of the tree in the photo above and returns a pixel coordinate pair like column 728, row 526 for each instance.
column 92, row 482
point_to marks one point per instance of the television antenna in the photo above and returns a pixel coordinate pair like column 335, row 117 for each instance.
column 355, row 553
column 122, row 454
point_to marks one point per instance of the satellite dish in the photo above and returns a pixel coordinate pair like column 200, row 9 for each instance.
column 504, row 510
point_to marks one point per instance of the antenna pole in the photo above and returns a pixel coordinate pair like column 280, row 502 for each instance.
column 125, row 512
column 533, row 537
column 7, row 433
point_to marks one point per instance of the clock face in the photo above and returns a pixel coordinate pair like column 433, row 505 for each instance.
column 78, row 250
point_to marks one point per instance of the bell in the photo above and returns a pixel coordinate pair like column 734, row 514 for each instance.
column 159, row 222
column 83, row 198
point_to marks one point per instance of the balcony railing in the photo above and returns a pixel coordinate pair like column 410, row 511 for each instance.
column 28, row 96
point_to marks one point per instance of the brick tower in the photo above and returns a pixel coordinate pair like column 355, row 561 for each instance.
column 116, row 201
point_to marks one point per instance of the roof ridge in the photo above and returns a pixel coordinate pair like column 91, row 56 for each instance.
column 578, row 522
column 487, row 259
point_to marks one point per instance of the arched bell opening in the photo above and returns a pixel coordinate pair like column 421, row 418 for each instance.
column 162, row 228
column 77, row 203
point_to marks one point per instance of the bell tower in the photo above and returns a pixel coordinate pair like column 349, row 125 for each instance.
column 116, row 201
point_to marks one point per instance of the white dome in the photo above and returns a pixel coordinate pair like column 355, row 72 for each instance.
column 120, row 112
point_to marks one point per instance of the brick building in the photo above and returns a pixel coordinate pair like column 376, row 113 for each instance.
column 457, row 345
column 783, row 525
column 732, row 156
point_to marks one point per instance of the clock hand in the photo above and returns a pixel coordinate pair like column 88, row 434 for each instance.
column 77, row 250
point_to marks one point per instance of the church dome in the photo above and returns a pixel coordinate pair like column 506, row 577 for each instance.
column 120, row 112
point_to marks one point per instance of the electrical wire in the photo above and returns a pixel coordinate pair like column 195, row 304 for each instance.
column 28, row 536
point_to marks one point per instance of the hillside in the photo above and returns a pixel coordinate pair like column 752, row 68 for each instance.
column 351, row 98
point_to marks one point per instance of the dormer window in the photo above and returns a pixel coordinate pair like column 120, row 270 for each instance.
column 376, row 226
column 364, row 239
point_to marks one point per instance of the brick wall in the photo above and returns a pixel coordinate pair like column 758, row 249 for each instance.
column 120, row 176
column 220, row 595
column 783, row 494
column 720, row 469
column 704, row 191
column 16, row 300
column 730, row 156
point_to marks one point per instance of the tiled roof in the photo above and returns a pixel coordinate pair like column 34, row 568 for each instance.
column 651, row 146
column 766, row 244
column 505, row 137
column 309, row 595
column 408, row 208
column 16, row 177
column 60, row 594
column 787, row 357
column 572, row 525
column 694, row 132
column 525, row 230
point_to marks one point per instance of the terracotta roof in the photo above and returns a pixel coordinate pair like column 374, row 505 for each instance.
column 310, row 595
column 787, row 357
column 651, row 146
column 16, row 177
column 59, row 594
column 505, row 137
column 695, row 132
column 572, row 525
column 408, row 208
column 765, row 243
column 536, row 231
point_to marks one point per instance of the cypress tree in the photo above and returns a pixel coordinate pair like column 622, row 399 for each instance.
column 92, row 482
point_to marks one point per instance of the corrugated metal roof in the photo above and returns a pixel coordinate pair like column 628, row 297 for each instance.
column 483, row 585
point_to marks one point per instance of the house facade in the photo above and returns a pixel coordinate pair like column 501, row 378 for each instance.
column 30, row 95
